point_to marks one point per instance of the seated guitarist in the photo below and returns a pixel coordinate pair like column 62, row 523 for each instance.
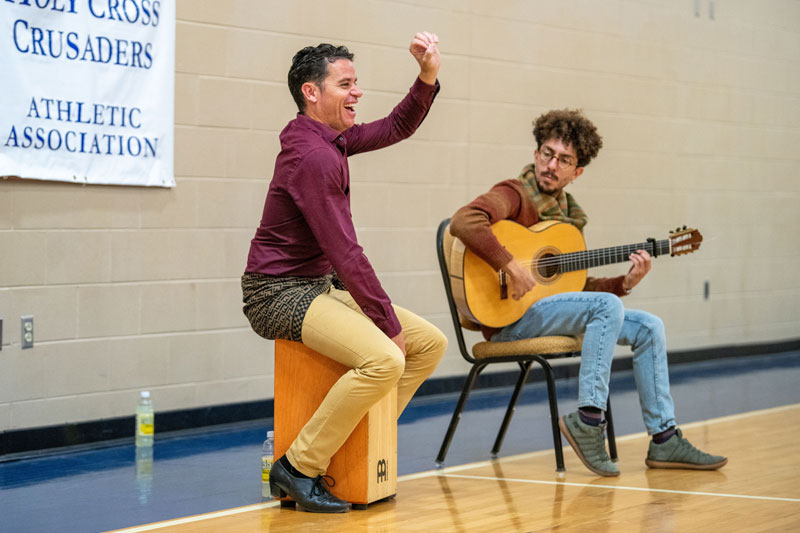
column 566, row 142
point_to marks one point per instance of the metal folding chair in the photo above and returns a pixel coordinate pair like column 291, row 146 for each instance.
column 523, row 352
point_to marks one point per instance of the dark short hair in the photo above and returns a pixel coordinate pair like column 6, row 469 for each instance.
column 311, row 64
column 571, row 127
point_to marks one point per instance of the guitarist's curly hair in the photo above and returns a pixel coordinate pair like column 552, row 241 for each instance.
column 572, row 128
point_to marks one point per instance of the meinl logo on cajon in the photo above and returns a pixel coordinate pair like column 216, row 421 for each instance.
column 383, row 471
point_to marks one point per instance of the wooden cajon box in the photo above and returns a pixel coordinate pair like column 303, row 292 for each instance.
column 365, row 467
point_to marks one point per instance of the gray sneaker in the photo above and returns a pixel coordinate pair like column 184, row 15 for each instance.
column 678, row 452
column 589, row 442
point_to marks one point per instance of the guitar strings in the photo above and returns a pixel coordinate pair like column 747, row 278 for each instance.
column 602, row 253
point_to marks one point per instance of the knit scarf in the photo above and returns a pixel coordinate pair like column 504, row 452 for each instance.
column 562, row 207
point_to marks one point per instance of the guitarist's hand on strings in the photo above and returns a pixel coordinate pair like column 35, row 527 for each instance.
column 520, row 280
column 641, row 266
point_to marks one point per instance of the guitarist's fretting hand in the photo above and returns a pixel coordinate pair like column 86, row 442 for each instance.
column 520, row 280
column 641, row 266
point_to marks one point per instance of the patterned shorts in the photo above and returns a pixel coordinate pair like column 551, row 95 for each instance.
column 276, row 306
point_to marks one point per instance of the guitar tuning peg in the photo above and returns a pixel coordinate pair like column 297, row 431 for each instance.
column 671, row 232
column 684, row 226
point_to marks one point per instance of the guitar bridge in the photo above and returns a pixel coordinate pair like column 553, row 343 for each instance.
column 503, row 285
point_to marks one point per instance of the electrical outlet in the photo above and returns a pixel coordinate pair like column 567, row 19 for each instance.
column 26, row 337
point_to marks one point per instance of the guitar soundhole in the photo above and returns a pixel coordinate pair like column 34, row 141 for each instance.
column 546, row 266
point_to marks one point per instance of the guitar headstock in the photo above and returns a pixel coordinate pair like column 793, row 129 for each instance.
column 684, row 241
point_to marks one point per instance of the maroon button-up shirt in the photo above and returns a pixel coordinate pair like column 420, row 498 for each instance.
column 307, row 229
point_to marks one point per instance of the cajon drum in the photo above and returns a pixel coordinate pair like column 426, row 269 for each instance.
column 365, row 467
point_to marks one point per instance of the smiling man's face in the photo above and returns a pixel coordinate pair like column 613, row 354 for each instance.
column 336, row 99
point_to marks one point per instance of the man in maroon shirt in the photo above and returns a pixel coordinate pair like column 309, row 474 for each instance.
column 307, row 278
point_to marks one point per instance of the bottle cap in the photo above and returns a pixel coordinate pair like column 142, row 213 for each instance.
column 270, row 434
column 145, row 394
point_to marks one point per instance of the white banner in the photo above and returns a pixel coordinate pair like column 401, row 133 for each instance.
column 87, row 92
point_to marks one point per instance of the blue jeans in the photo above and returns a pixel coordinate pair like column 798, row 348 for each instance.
column 603, row 321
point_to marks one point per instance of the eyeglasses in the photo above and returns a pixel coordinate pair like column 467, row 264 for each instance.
column 564, row 162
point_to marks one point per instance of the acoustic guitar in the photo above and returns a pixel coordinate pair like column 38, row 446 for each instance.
column 558, row 259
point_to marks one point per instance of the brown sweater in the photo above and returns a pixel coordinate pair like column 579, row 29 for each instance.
column 507, row 200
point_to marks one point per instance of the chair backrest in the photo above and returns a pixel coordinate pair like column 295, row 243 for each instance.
column 444, row 243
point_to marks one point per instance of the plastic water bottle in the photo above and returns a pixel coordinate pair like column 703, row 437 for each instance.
column 144, row 420
column 267, row 451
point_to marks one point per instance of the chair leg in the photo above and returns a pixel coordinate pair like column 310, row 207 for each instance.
column 524, row 368
column 551, row 395
column 612, row 441
column 470, row 381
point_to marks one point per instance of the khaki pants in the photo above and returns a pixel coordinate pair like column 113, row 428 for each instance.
column 336, row 327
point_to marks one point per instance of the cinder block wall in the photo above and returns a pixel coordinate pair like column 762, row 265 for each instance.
column 139, row 289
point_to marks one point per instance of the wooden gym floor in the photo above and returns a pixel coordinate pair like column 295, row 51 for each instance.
column 757, row 491
column 744, row 407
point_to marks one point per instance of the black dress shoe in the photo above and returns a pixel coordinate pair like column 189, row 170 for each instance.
column 310, row 494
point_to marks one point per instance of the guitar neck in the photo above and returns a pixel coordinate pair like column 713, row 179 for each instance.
column 609, row 256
